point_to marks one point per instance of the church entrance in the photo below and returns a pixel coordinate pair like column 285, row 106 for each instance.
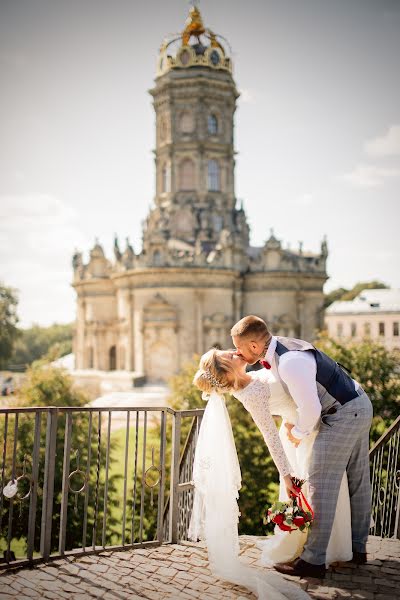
column 160, row 340
column 160, row 361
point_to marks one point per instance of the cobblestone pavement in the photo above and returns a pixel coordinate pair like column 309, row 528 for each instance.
column 180, row 571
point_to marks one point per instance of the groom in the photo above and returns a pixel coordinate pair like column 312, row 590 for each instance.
column 328, row 398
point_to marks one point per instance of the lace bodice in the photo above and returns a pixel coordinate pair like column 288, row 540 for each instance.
column 255, row 397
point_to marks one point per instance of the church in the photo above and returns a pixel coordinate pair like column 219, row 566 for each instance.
column 147, row 314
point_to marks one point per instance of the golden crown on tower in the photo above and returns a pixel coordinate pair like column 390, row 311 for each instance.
column 195, row 46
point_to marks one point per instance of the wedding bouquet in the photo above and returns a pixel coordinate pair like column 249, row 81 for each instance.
column 294, row 514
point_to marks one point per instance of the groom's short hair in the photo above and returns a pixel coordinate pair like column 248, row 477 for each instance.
column 251, row 326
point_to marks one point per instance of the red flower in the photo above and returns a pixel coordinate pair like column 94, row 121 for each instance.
column 285, row 527
column 278, row 519
column 298, row 521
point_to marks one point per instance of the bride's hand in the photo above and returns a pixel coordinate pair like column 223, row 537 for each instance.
column 290, row 489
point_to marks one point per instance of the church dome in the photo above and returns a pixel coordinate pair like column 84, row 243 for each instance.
column 195, row 46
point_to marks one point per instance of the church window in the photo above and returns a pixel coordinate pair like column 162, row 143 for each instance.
column 212, row 125
column 218, row 222
column 396, row 328
column 165, row 179
column 353, row 329
column 186, row 175
column 163, row 129
column 339, row 329
column 213, row 176
column 381, row 328
column 186, row 123
column 367, row 329
column 157, row 259
column 112, row 358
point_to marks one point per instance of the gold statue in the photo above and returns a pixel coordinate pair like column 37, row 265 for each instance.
column 194, row 26
column 214, row 42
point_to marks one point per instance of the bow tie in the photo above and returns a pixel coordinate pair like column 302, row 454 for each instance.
column 265, row 364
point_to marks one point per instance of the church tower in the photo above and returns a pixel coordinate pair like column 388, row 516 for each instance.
column 195, row 102
column 146, row 313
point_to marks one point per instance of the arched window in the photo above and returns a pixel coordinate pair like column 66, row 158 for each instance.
column 163, row 129
column 218, row 222
column 157, row 258
column 112, row 358
column 186, row 175
column 212, row 125
column 186, row 122
column 213, row 176
column 165, row 179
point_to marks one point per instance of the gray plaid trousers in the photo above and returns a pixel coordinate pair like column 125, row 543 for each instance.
column 342, row 444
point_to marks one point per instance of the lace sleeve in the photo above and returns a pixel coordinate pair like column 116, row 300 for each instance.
column 254, row 398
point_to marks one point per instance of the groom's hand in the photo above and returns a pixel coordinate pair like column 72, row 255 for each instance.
column 295, row 441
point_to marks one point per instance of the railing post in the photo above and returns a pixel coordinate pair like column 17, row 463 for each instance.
column 175, row 453
column 48, row 485
column 163, row 428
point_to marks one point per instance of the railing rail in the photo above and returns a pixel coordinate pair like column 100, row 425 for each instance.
column 385, row 479
column 67, row 475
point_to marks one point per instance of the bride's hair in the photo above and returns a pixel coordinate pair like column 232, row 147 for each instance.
column 216, row 373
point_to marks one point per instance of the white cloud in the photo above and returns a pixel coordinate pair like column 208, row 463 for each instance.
column 370, row 175
column 386, row 145
column 38, row 234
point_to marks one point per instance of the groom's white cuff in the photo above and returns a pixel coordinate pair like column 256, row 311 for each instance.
column 299, row 434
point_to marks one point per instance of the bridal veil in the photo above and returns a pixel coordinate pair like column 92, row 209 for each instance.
column 215, row 514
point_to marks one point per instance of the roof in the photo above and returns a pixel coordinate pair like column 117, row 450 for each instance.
column 368, row 302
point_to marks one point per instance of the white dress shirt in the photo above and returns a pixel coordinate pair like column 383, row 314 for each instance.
column 298, row 370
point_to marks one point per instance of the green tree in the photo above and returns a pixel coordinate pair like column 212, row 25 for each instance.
column 259, row 475
column 8, row 323
column 376, row 369
column 36, row 342
column 49, row 386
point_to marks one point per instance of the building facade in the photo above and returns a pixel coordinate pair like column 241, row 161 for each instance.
column 196, row 274
column 373, row 314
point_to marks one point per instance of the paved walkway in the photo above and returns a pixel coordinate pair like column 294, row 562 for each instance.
column 180, row 571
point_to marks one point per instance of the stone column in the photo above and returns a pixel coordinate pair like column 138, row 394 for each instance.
column 199, row 322
column 130, row 354
column 79, row 345
column 138, row 329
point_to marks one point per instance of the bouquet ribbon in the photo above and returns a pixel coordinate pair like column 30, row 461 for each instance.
column 303, row 502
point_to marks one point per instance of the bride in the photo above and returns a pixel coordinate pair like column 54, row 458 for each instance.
column 225, row 372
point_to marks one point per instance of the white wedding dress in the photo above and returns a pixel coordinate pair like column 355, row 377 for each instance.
column 215, row 513
column 263, row 397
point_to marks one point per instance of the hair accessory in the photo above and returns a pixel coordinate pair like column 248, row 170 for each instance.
column 214, row 382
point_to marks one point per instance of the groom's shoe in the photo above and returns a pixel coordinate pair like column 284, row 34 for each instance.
column 359, row 558
column 301, row 568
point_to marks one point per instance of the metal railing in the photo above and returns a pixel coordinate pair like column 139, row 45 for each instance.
column 385, row 479
column 178, row 507
column 81, row 480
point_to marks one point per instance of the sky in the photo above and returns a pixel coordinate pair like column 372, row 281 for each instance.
column 317, row 131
